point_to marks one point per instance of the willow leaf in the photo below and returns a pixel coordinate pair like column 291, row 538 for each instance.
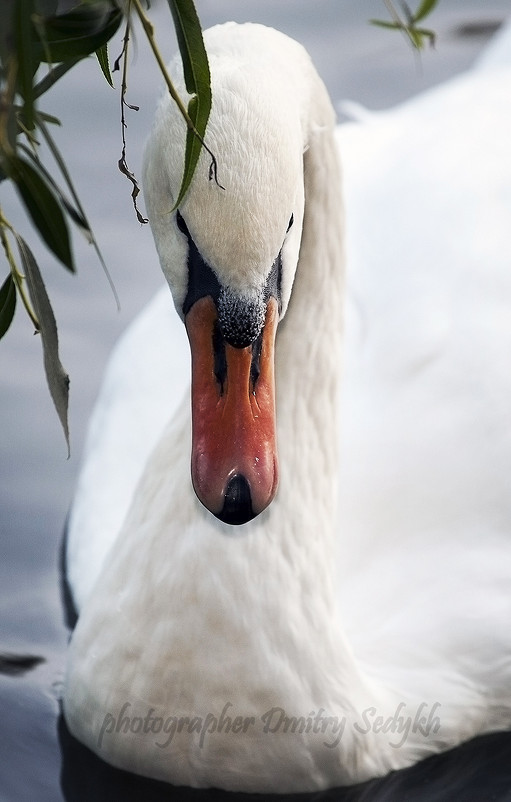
column 7, row 304
column 27, row 59
column 46, row 8
column 391, row 26
column 56, row 376
column 43, row 208
column 425, row 8
column 79, row 32
column 83, row 221
column 102, row 57
column 47, row 118
column 424, row 34
column 53, row 76
column 73, row 212
column 197, row 81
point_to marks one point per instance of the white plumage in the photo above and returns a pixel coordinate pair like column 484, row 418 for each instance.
column 182, row 615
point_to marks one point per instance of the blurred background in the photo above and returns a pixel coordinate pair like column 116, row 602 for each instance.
column 358, row 62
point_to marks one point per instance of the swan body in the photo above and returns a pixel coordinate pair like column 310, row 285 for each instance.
column 236, row 657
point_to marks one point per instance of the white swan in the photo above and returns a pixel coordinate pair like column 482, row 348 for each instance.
column 213, row 655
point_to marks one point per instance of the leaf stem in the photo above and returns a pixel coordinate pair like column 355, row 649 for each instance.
column 149, row 32
column 6, row 103
column 18, row 277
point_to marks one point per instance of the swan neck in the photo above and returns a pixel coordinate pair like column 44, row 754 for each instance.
column 308, row 353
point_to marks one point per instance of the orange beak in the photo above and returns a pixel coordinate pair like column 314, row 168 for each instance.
column 234, row 455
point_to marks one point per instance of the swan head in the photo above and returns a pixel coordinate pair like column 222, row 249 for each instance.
column 230, row 252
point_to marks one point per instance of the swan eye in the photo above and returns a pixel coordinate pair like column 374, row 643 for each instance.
column 291, row 221
column 181, row 224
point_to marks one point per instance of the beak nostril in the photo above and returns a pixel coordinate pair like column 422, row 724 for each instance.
column 237, row 507
column 219, row 358
column 255, row 366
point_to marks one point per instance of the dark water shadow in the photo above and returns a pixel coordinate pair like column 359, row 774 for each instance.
column 478, row 771
column 17, row 665
column 477, row 29
column 68, row 608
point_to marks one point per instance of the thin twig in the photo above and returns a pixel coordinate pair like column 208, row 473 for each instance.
column 122, row 163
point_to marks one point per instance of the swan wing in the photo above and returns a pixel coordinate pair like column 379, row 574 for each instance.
column 426, row 421
column 146, row 378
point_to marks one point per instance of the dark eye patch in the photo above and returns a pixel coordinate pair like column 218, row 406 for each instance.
column 202, row 282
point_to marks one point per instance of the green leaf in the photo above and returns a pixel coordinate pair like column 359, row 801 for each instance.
column 191, row 46
column 73, row 213
column 80, row 32
column 425, row 34
column 415, row 38
column 198, row 83
column 47, row 118
column 393, row 26
column 43, row 208
column 102, row 56
column 56, row 376
column 6, row 33
column 7, row 304
column 82, row 217
column 53, row 76
column 425, row 8
column 26, row 54
column 192, row 151
column 46, row 8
